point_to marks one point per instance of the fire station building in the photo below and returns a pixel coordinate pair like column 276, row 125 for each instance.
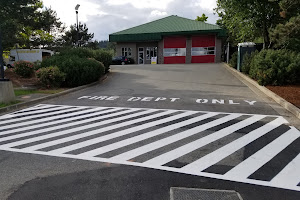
column 173, row 40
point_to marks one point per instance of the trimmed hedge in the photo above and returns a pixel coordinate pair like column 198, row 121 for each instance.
column 233, row 61
column 50, row 77
column 104, row 56
column 276, row 67
column 78, row 70
column 24, row 69
column 247, row 60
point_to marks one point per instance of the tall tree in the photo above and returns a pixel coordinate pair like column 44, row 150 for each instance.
column 14, row 16
column 249, row 19
column 84, row 39
column 287, row 34
column 203, row 18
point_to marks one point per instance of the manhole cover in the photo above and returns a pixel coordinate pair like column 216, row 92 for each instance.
column 203, row 194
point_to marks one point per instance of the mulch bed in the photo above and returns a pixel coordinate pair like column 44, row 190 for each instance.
column 18, row 81
column 291, row 93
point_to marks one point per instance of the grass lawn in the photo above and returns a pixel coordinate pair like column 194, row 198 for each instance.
column 2, row 105
column 21, row 92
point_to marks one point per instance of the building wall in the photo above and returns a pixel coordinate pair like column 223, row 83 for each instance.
column 160, row 52
column 131, row 45
column 188, row 58
column 160, row 47
column 145, row 45
column 218, row 50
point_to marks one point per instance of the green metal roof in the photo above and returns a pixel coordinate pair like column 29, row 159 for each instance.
column 172, row 25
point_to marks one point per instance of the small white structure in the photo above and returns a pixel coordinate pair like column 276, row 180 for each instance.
column 30, row 55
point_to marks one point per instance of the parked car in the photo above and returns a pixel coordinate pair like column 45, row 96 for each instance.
column 122, row 60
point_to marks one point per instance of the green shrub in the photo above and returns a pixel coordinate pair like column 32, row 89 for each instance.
column 275, row 67
column 50, row 77
column 247, row 60
column 37, row 65
column 233, row 60
column 105, row 57
column 79, row 71
column 24, row 68
column 80, row 52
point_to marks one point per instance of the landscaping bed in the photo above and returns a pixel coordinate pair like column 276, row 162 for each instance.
column 291, row 93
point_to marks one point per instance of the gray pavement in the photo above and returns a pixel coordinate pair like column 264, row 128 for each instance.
column 148, row 128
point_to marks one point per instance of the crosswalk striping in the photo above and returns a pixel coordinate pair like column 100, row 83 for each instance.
column 67, row 139
column 144, row 149
column 118, row 134
column 99, row 130
column 290, row 175
column 145, row 136
column 43, row 118
column 172, row 155
column 251, row 164
column 232, row 147
column 33, row 113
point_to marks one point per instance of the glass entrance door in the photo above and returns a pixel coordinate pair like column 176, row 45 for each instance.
column 141, row 56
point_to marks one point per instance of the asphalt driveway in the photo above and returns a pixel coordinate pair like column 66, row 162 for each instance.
column 203, row 87
column 147, row 128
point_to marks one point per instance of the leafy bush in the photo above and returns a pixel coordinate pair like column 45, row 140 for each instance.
column 24, row 68
column 79, row 71
column 105, row 57
column 276, row 67
column 233, row 60
column 247, row 60
column 80, row 52
column 50, row 77
column 37, row 65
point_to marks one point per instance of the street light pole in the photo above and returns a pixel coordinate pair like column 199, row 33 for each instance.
column 1, row 59
column 76, row 10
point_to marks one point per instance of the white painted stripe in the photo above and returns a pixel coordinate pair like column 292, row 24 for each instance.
column 289, row 176
column 33, row 116
column 97, row 131
column 257, row 160
column 175, row 110
column 45, row 119
column 221, row 153
column 174, row 138
column 145, row 136
column 121, row 133
column 185, row 149
column 171, row 169
column 60, row 121
column 67, row 125
column 84, row 127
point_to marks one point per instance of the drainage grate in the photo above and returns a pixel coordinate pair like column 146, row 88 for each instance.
column 203, row 194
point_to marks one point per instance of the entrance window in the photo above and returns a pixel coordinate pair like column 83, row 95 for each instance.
column 200, row 51
column 151, row 52
column 168, row 52
column 126, row 51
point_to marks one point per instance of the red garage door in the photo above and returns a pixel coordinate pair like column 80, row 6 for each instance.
column 203, row 49
column 174, row 50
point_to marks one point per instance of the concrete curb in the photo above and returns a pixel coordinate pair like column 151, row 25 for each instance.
column 38, row 100
column 285, row 104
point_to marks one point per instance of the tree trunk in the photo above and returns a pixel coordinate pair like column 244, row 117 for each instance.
column 1, row 57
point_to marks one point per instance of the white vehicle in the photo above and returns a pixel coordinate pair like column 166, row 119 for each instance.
column 31, row 55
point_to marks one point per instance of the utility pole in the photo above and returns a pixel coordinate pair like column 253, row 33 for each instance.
column 1, row 59
column 76, row 10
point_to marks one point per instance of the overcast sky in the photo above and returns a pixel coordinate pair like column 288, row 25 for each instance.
column 104, row 17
